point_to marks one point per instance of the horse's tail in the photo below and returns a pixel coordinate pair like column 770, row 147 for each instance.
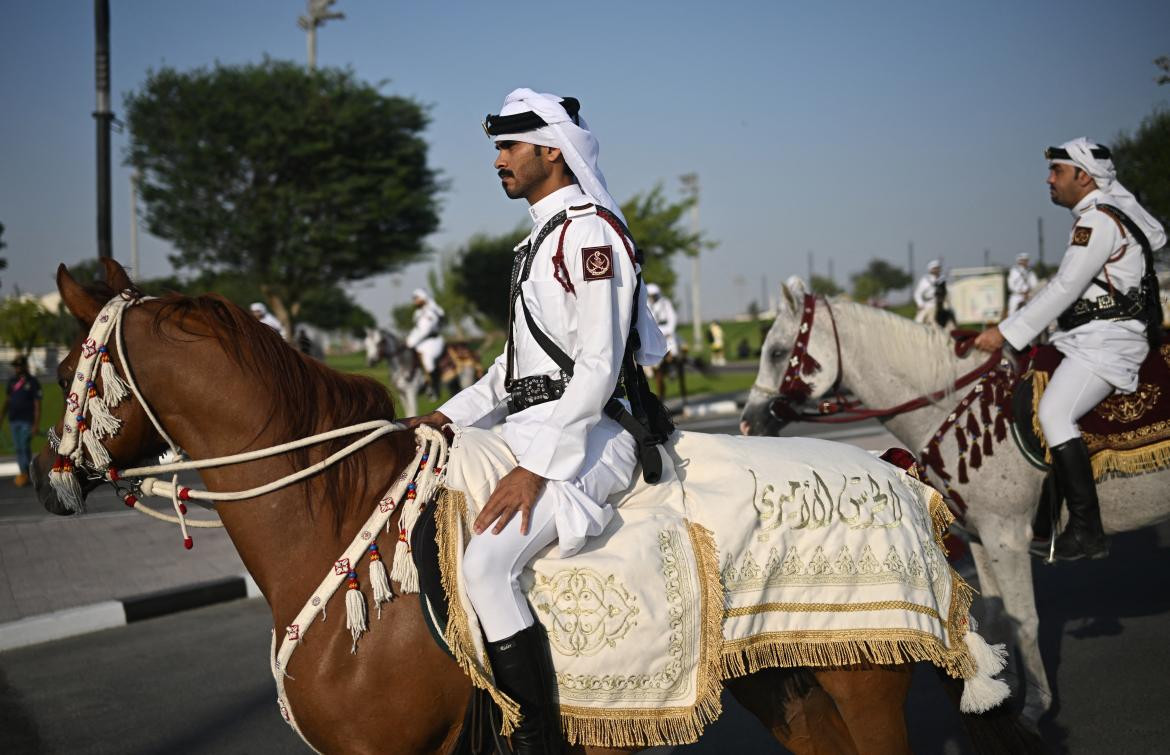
column 997, row 731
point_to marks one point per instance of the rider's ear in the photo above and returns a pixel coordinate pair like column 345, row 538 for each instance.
column 116, row 276
column 76, row 298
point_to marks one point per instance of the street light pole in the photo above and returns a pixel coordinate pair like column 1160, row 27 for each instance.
column 103, row 116
column 318, row 14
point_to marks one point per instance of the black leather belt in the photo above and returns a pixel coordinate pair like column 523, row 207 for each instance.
column 535, row 389
column 1115, row 306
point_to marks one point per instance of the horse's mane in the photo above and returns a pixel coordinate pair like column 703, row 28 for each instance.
column 300, row 387
column 905, row 342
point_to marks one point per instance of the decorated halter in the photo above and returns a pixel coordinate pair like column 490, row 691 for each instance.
column 88, row 421
column 87, row 414
column 793, row 389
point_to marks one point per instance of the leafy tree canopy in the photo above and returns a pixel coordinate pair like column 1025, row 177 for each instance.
column 24, row 323
column 878, row 279
column 824, row 286
column 482, row 267
column 1141, row 161
column 482, row 271
column 295, row 180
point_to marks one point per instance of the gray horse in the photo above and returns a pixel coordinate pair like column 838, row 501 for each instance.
column 884, row 360
column 406, row 375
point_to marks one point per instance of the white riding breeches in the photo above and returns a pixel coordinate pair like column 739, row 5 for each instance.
column 429, row 350
column 1072, row 393
column 573, row 509
column 926, row 314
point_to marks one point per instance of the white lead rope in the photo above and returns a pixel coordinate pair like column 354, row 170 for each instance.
column 155, row 486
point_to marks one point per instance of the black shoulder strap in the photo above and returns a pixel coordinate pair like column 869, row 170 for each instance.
column 1117, row 214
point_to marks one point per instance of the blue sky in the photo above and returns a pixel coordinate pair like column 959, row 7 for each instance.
column 845, row 129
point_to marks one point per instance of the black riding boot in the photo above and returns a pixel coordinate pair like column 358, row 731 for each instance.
column 523, row 670
column 436, row 383
column 1083, row 536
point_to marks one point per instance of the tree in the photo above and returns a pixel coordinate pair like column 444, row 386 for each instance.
column 483, row 269
column 656, row 225
column 878, row 279
column 294, row 180
column 1141, row 161
column 1163, row 64
column 23, row 323
column 824, row 286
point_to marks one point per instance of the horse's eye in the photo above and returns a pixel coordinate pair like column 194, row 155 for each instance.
column 777, row 355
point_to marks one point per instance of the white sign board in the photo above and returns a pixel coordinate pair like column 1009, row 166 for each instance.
column 977, row 296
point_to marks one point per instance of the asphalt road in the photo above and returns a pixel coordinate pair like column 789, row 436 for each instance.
column 198, row 682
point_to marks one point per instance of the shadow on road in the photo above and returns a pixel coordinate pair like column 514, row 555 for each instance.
column 1087, row 600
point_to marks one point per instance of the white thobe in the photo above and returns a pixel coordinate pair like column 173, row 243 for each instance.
column 667, row 320
column 558, row 438
column 924, row 294
column 1021, row 284
column 425, row 337
column 1111, row 349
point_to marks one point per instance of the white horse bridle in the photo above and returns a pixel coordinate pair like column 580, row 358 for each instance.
column 81, row 437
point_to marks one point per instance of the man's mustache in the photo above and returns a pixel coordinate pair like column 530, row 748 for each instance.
column 504, row 174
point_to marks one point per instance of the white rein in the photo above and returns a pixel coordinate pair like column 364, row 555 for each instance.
column 111, row 319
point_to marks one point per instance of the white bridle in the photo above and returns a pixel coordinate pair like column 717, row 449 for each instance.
column 81, row 437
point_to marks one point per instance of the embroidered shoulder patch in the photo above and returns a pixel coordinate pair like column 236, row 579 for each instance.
column 597, row 262
column 1081, row 235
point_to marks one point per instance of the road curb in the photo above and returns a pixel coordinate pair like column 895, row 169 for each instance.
column 70, row 622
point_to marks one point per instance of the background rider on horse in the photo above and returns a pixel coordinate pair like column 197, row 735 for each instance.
column 426, row 337
column 1101, row 300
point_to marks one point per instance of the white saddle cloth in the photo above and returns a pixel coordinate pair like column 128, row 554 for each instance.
column 750, row 553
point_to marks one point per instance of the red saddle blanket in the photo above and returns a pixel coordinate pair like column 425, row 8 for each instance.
column 1127, row 434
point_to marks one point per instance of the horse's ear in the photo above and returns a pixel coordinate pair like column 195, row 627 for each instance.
column 116, row 276
column 83, row 306
column 788, row 299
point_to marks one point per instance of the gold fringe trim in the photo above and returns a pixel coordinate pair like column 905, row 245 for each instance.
column 829, row 649
column 1107, row 462
column 451, row 513
column 941, row 517
column 1117, row 463
column 638, row 728
column 1039, row 383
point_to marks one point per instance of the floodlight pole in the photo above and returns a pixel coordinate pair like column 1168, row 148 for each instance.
column 103, row 116
column 318, row 13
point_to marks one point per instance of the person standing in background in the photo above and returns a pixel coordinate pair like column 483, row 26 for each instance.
column 22, row 409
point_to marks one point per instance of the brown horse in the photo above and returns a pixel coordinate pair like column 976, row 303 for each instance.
column 219, row 383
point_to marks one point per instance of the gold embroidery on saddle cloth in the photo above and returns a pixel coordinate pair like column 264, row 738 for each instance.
column 586, row 611
column 847, row 647
column 858, row 503
column 842, row 569
column 1132, row 452
column 635, row 727
column 603, row 727
column 1123, row 407
column 877, row 605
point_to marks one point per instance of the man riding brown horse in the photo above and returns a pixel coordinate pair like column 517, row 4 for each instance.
column 575, row 287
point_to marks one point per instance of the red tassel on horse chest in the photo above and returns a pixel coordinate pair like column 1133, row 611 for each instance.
column 963, row 469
